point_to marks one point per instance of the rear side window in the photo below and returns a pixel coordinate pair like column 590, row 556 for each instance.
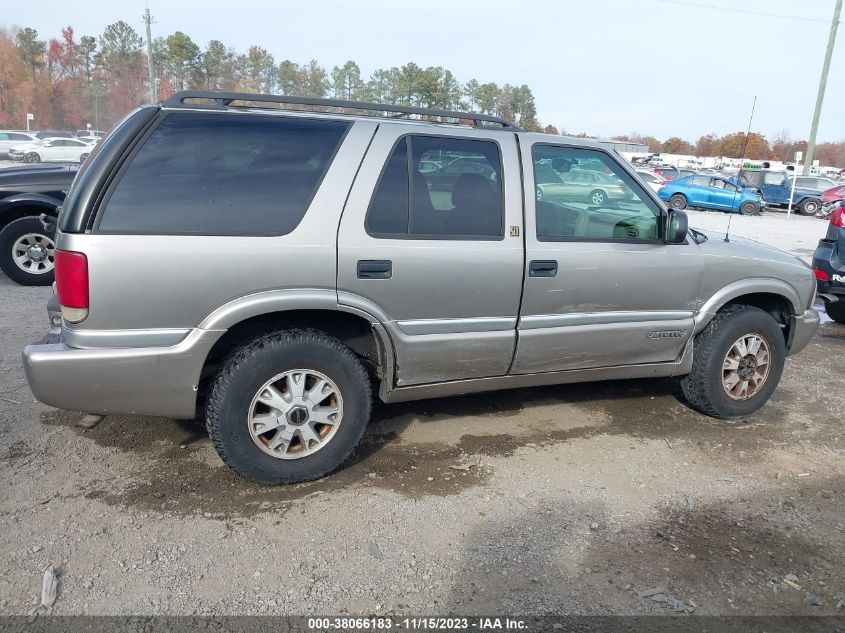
column 436, row 187
column 209, row 174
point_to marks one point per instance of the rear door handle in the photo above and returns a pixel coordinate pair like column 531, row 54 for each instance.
column 542, row 268
column 375, row 269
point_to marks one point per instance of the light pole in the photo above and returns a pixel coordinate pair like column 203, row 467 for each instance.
column 814, row 128
column 148, row 19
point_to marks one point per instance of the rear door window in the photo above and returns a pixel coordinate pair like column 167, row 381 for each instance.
column 435, row 187
column 212, row 174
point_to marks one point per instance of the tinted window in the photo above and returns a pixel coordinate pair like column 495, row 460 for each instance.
column 19, row 137
column 595, row 199
column 437, row 186
column 4, row 136
column 209, row 174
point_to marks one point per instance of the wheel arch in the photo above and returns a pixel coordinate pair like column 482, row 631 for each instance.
column 250, row 317
column 773, row 296
column 21, row 206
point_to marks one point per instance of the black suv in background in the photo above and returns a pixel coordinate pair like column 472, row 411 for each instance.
column 829, row 265
column 26, row 245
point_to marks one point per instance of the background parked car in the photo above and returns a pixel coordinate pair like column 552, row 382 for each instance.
column 670, row 172
column 26, row 244
column 594, row 187
column 42, row 134
column 776, row 187
column 816, row 183
column 711, row 192
column 834, row 194
column 53, row 150
column 10, row 138
column 829, row 265
column 652, row 180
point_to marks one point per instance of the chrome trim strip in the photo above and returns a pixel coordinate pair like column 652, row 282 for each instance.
column 115, row 339
column 534, row 322
column 456, row 326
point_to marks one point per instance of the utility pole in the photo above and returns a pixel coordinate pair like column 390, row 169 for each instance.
column 148, row 19
column 811, row 144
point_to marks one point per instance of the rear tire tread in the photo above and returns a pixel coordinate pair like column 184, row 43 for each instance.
column 247, row 356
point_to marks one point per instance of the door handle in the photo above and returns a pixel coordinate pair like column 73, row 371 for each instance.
column 375, row 269
column 542, row 268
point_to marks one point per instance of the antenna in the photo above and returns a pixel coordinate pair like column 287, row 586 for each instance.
column 741, row 158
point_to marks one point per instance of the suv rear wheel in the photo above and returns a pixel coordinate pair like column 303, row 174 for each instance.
column 27, row 252
column 288, row 407
column 737, row 363
column 835, row 311
column 809, row 207
column 678, row 201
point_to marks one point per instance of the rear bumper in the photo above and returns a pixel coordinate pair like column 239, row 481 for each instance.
column 827, row 259
column 801, row 330
column 160, row 381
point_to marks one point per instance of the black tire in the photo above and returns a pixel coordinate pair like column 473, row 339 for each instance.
column 835, row 310
column 678, row 201
column 809, row 206
column 749, row 208
column 703, row 386
column 241, row 377
column 598, row 197
column 9, row 236
column 32, row 157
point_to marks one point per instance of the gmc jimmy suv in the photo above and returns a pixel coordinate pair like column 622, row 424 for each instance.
column 271, row 266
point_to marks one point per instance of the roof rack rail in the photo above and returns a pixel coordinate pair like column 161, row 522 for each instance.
column 225, row 99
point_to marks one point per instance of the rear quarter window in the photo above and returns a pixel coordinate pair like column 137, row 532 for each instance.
column 212, row 174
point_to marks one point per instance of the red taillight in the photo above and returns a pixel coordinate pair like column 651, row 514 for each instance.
column 72, row 284
column 837, row 216
column 821, row 275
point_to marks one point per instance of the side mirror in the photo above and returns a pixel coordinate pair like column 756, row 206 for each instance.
column 677, row 227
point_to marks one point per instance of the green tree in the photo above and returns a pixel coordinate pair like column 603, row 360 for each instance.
column 488, row 95
column 181, row 57
column 31, row 49
column 259, row 70
column 289, row 78
column 346, row 81
column 119, row 44
column 471, row 92
column 315, row 81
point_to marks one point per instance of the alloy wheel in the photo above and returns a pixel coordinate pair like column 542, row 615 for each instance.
column 295, row 414
column 746, row 367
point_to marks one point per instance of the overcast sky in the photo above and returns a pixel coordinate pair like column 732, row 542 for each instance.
column 605, row 67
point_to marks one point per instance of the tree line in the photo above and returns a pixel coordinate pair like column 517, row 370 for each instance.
column 67, row 82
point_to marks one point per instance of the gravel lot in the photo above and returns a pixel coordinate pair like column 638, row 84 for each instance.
column 570, row 499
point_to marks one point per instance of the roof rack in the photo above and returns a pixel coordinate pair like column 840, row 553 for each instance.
column 225, row 99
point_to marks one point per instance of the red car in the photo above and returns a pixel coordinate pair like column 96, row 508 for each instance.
column 833, row 194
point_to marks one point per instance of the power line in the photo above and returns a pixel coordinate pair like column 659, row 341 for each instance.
column 701, row 5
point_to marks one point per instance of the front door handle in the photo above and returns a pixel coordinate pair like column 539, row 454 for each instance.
column 542, row 268
column 375, row 269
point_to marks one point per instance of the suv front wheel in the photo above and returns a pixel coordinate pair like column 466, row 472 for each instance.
column 737, row 363
column 288, row 407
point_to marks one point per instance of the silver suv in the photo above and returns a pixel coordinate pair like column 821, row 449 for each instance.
column 271, row 268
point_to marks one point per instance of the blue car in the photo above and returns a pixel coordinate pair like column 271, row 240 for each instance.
column 711, row 192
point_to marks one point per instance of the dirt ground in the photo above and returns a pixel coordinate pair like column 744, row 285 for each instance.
column 605, row 498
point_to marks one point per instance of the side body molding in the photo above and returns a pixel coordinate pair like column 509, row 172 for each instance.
column 743, row 287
